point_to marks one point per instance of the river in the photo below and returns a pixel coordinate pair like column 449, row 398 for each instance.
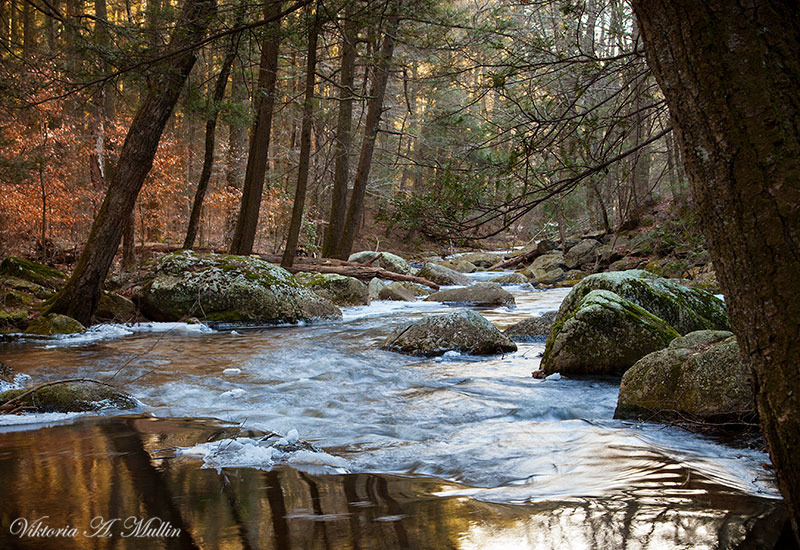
column 453, row 452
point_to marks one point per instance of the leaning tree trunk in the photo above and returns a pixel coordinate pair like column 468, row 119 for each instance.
column 247, row 223
column 211, row 129
column 305, row 142
column 81, row 294
column 380, row 78
column 731, row 74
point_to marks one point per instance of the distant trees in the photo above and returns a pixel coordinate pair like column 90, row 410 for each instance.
column 730, row 73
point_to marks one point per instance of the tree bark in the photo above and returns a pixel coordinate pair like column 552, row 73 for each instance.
column 305, row 142
column 247, row 223
column 344, row 135
column 730, row 73
column 80, row 296
column 211, row 128
column 374, row 109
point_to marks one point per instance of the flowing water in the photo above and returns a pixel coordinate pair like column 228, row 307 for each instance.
column 453, row 452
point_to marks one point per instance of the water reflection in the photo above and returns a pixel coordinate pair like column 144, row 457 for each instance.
column 110, row 467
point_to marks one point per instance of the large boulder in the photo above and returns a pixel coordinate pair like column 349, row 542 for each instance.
column 228, row 289
column 464, row 331
column 603, row 334
column 479, row 294
column 549, row 277
column 545, row 246
column 396, row 292
column 684, row 308
column 37, row 273
column 700, row 376
column 533, row 328
column 543, row 264
column 442, row 275
column 71, row 397
column 53, row 324
column 339, row 289
column 582, row 253
column 115, row 308
column 386, row 260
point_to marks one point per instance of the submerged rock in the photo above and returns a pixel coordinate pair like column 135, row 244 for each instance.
column 442, row 275
column 479, row 294
column 603, row 334
column 52, row 324
column 700, row 376
column 339, row 289
column 684, row 308
column 464, row 331
column 386, row 260
column 533, row 328
column 229, row 289
column 72, row 397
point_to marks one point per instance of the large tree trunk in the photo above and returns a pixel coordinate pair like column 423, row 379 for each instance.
column 730, row 73
column 247, row 223
column 305, row 142
column 81, row 294
column 344, row 135
column 211, row 128
column 374, row 109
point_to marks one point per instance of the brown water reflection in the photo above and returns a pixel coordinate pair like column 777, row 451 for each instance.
column 107, row 467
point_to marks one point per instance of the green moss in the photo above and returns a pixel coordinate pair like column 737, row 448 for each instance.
column 32, row 271
column 54, row 323
column 72, row 397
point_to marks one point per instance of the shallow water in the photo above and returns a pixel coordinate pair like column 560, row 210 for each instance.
column 465, row 433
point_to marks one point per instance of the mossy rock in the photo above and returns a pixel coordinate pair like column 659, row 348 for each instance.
column 341, row 290
column 461, row 266
column 549, row 277
column 386, row 260
column 374, row 287
column 684, row 308
column 701, row 376
column 115, row 308
column 441, row 275
column 32, row 271
column 229, row 289
column 543, row 264
column 52, row 324
column 464, row 331
column 479, row 294
column 604, row 334
column 586, row 251
column 532, row 329
column 510, row 279
column 72, row 397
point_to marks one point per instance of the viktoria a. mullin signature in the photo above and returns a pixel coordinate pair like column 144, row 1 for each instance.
column 99, row 527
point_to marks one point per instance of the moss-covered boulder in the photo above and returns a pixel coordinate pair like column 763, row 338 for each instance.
column 72, row 397
column 339, row 289
column 532, row 329
column 549, row 277
column 52, row 324
column 386, row 260
column 543, row 264
column 228, row 289
column 34, row 272
column 510, row 279
column 442, row 275
column 700, row 376
column 479, row 294
column 464, row 331
column 603, row 334
column 396, row 292
column 582, row 253
column 114, row 308
column 684, row 308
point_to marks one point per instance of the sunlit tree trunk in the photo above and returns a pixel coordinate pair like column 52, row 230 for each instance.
column 374, row 108
column 731, row 74
column 305, row 142
column 80, row 296
column 247, row 222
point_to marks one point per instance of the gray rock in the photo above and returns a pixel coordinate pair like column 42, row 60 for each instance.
column 229, row 289
column 442, row 275
column 464, row 331
column 700, row 376
column 510, row 279
column 481, row 259
column 549, row 277
column 603, row 334
column 461, row 266
column 545, row 246
column 339, row 289
column 684, row 308
column 626, row 263
column 533, row 328
column 114, row 308
column 396, row 292
column 480, row 294
column 386, row 260
column 374, row 287
column 575, row 275
column 543, row 264
column 582, row 253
